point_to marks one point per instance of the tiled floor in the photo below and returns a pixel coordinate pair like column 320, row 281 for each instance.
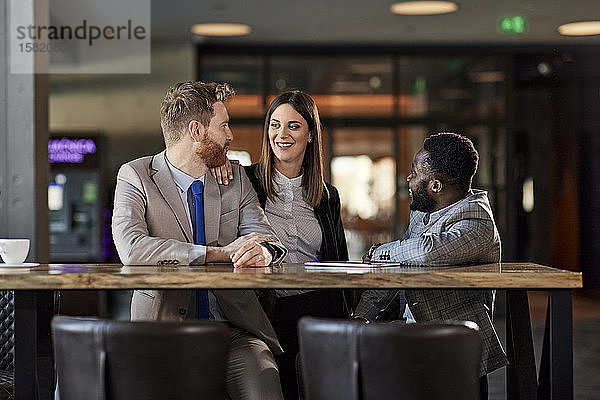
column 586, row 346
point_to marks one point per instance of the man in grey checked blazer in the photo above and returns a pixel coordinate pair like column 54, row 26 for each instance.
column 450, row 223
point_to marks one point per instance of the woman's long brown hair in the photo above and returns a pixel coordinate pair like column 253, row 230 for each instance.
column 313, row 182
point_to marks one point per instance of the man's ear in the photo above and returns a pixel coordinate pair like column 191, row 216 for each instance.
column 436, row 186
column 195, row 130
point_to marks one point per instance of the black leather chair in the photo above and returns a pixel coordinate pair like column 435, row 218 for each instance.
column 350, row 360
column 101, row 359
column 7, row 344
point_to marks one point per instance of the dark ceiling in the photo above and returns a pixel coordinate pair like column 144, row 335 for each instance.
column 371, row 22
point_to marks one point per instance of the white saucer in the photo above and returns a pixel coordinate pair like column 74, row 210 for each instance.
column 22, row 265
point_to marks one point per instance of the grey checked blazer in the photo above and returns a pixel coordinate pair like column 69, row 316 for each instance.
column 150, row 227
column 464, row 232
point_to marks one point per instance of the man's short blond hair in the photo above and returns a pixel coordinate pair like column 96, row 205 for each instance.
column 186, row 101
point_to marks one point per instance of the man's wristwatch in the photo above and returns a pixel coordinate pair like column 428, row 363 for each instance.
column 277, row 252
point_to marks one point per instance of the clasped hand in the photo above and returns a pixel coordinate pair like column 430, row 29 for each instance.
column 246, row 251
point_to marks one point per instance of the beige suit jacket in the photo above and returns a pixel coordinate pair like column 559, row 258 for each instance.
column 150, row 227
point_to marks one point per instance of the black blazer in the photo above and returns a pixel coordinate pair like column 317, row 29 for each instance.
column 333, row 245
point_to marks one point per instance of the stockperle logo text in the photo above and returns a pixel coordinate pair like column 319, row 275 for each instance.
column 84, row 31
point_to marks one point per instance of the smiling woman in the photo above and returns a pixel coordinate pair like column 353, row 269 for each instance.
column 304, row 211
column 292, row 146
column 288, row 137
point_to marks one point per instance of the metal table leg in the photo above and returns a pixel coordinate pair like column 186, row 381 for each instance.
column 521, row 381
column 34, row 365
column 556, row 367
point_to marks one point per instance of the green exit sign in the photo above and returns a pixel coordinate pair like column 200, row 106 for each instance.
column 512, row 25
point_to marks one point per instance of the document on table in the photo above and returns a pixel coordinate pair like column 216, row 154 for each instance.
column 357, row 266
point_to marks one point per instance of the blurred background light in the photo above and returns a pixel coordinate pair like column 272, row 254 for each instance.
column 423, row 7
column 583, row 28
column 221, row 29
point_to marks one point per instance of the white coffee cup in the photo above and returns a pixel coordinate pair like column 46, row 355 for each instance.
column 14, row 251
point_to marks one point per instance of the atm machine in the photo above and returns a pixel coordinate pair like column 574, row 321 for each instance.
column 74, row 199
column 76, row 221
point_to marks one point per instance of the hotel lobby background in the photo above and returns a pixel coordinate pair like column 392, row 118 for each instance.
column 531, row 103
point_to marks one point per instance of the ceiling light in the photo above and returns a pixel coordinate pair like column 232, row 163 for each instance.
column 221, row 29
column 583, row 28
column 423, row 7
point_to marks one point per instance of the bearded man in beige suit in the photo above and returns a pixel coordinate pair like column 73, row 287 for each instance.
column 153, row 225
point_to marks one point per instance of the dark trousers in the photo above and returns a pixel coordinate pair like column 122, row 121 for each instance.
column 287, row 312
column 483, row 387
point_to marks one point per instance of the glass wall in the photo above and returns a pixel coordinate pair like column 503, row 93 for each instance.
column 451, row 88
column 349, row 86
column 245, row 74
column 376, row 110
column 363, row 169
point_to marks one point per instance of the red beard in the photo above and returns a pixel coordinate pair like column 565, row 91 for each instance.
column 212, row 153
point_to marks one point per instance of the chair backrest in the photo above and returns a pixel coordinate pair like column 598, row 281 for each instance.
column 7, row 336
column 329, row 358
column 388, row 361
column 100, row 359
column 7, row 343
column 421, row 361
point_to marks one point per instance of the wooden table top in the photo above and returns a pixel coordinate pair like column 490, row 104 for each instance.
column 287, row 276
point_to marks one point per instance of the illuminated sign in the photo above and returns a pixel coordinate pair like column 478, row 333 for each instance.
column 512, row 25
column 70, row 151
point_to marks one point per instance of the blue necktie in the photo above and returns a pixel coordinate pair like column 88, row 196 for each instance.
column 198, row 220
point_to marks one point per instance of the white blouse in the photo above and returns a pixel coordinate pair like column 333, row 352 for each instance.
column 294, row 222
